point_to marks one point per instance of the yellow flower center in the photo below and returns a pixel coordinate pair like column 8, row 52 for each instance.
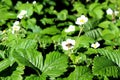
column 82, row 20
column 16, row 28
column 95, row 46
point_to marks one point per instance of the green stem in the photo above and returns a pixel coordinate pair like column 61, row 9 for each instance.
column 113, row 17
column 81, row 28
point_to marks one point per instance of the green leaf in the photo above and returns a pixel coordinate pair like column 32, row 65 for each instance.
column 29, row 57
column 50, row 30
column 111, row 32
column 45, row 41
column 80, row 73
column 108, row 34
column 93, row 6
column 8, row 2
column 89, row 25
column 62, row 15
column 104, row 24
column 103, row 66
column 26, row 6
column 95, row 33
column 38, row 8
column 5, row 63
column 98, row 13
column 78, row 59
column 34, row 77
column 91, row 51
column 79, row 7
column 21, row 43
column 2, row 21
column 57, row 38
column 114, row 1
column 17, row 74
column 95, row 10
column 29, row 24
column 83, row 41
column 26, row 43
column 111, row 55
column 7, row 15
column 47, row 21
column 55, row 64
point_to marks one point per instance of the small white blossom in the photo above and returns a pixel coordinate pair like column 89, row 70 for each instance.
column 34, row 2
column 15, row 27
column 68, row 44
column 109, row 11
column 81, row 20
column 22, row 14
column 70, row 28
column 116, row 13
column 16, row 23
column 96, row 45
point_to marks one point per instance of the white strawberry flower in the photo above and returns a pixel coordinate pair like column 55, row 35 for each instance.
column 95, row 45
column 81, row 20
column 109, row 11
column 15, row 27
column 70, row 28
column 68, row 44
column 116, row 13
column 22, row 14
column 16, row 23
column 34, row 2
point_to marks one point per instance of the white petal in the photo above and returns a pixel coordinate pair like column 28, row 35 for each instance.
column 16, row 28
column 109, row 11
column 65, row 48
column 97, row 44
column 21, row 14
column 12, row 31
column 92, row 45
column 64, row 43
column 34, row 2
column 116, row 13
column 68, row 41
column 81, row 20
column 70, row 28
column 71, row 41
column 66, row 30
column 16, row 23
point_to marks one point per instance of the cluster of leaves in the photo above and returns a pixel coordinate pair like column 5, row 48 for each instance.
column 35, row 52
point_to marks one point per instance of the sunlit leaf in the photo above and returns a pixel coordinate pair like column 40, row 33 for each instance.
column 5, row 63
column 103, row 66
column 55, row 64
column 29, row 57
column 50, row 30
column 80, row 73
column 34, row 77
column 62, row 15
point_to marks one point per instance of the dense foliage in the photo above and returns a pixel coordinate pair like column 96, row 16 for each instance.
column 60, row 40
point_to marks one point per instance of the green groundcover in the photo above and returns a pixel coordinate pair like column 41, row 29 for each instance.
column 60, row 40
